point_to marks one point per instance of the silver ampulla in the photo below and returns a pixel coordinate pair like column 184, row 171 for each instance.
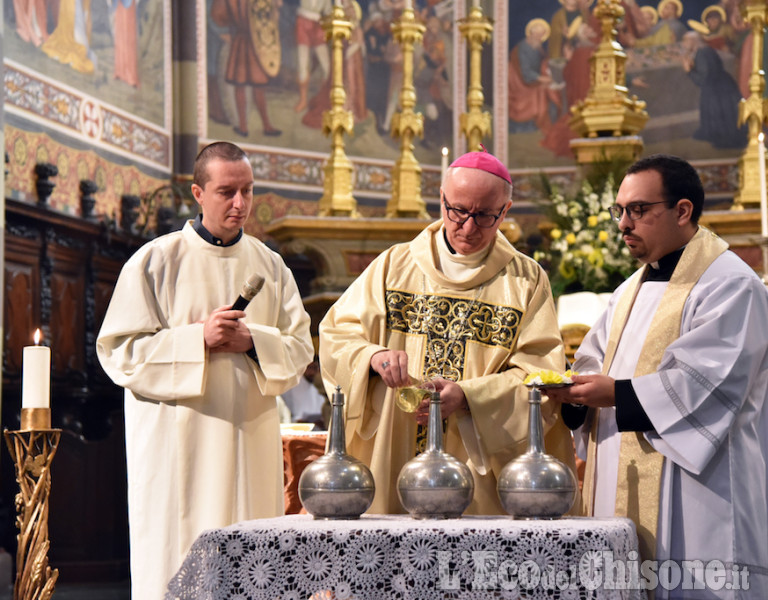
column 435, row 484
column 536, row 485
column 336, row 485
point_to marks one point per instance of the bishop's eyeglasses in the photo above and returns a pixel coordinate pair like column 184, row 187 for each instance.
column 635, row 211
column 461, row 216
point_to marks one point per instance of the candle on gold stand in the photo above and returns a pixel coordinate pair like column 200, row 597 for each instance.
column 476, row 28
column 337, row 199
column 32, row 449
column 406, row 200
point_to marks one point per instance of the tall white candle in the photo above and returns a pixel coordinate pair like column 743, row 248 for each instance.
column 444, row 163
column 763, row 194
column 36, row 375
column 476, row 3
column 408, row 4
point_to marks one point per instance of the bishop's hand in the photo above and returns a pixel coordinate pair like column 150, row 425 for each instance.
column 452, row 399
column 392, row 366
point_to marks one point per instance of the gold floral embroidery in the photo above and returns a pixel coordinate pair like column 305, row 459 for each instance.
column 448, row 324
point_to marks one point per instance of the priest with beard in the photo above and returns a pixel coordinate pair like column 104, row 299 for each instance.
column 670, row 402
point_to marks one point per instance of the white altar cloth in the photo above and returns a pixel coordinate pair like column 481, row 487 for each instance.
column 381, row 557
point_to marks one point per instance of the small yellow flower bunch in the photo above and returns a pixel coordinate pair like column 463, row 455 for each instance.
column 549, row 377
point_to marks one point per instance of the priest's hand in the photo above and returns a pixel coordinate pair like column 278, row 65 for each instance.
column 452, row 399
column 223, row 331
column 588, row 390
column 392, row 366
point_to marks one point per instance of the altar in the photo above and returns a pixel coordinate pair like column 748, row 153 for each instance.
column 393, row 556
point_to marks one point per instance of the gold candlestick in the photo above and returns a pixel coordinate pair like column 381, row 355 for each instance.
column 32, row 449
column 752, row 111
column 337, row 199
column 475, row 123
column 406, row 198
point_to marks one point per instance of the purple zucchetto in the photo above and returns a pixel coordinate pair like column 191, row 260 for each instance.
column 485, row 161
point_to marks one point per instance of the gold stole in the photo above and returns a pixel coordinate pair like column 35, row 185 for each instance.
column 639, row 474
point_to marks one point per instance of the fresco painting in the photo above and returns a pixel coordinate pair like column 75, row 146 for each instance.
column 294, row 97
column 268, row 70
column 112, row 50
column 689, row 60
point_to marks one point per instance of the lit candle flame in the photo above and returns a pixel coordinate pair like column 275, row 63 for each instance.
column 38, row 336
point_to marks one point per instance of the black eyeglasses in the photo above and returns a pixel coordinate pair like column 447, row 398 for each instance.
column 635, row 211
column 461, row 216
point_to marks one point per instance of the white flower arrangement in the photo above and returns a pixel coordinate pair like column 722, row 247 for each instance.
column 585, row 250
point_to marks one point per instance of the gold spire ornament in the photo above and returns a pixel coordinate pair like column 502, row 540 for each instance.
column 337, row 199
column 753, row 110
column 406, row 200
column 32, row 450
column 608, row 111
column 476, row 28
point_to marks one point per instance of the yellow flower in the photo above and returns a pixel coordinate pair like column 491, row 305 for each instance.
column 570, row 238
column 546, row 376
column 555, row 234
column 567, row 270
column 603, row 236
column 596, row 258
column 592, row 221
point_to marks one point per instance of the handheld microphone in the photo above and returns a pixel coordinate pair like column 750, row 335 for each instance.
column 250, row 289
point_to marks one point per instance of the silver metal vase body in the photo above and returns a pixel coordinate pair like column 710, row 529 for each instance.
column 434, row 484
column 336, row 485
column 536, row 485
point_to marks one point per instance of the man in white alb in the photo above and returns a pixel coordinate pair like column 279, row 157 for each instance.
column 202, row 430
column 678, row 428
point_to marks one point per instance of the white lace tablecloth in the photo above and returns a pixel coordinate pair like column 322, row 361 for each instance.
column 395, row 557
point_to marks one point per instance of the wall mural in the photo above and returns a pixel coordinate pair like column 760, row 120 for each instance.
column 275, row 93
column 88, row 81
column 689, row 60
column 99, row 73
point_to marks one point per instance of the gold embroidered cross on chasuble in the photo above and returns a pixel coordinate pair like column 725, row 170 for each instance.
column 448, row 323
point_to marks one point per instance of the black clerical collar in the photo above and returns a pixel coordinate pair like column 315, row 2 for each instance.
column 662, row 269
column 447, row 243
column 209, row 237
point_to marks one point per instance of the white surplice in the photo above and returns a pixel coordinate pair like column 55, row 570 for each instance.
column 707, row 405
column 202, row 430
